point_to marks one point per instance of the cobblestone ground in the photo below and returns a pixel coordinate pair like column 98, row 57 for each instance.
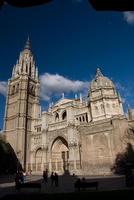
column 66, row 184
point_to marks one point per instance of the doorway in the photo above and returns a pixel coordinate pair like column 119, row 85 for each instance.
column 60, row 154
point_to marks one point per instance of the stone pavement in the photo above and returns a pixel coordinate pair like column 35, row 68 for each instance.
column 66, row 184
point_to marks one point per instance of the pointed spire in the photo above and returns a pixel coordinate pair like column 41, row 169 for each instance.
column 27, row 44
column 98, row 71
column 36, row 73
column 118, row 94
column 13, row 71
column 80, row 97
column 76, row 97
column 129, row 112
column 63, row 95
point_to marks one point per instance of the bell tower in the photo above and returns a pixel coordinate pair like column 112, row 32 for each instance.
column 22, row 104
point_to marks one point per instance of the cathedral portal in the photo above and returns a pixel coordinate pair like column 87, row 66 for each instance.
column 59, row 154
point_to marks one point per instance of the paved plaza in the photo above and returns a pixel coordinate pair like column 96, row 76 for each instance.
column 66, row 184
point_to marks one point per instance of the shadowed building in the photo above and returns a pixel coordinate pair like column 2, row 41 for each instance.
column 72, row 135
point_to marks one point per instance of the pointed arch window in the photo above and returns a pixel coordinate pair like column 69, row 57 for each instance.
column 96, row 110
column 64, row 115
column 13, row 89
column 30, row 70
column 22, row 66
column 17, row 87
column 57, row 117
column 102, row 109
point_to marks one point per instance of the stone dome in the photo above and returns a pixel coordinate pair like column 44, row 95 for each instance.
column 100, row 81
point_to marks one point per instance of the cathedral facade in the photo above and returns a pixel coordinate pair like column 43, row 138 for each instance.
column 71, row 136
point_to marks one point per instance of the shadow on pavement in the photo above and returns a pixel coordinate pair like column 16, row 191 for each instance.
column 66, row 184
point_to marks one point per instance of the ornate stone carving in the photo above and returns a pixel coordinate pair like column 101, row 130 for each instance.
column 72, row 143
column 45, row 147
column 71, row 123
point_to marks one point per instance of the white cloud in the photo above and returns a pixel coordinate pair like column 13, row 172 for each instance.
column 55, row 85
column 3, row 87
column 119, row 87
column 129, row 17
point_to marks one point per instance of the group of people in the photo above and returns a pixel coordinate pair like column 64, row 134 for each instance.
column 54, row 177
column 78, row 183
column 45, row 175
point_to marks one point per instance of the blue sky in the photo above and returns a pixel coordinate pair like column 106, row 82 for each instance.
column 69, row 38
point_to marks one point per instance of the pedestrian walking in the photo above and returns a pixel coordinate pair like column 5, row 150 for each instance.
column 30, row 173
column 56, row 178
column 52, row 178
column 17, row 180
column 24, row 176
column 44, row 176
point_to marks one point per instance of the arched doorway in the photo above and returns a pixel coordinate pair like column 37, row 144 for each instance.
column 59, row 154
column 38, row 158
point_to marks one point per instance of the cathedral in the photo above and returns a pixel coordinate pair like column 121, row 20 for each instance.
column 72, row 136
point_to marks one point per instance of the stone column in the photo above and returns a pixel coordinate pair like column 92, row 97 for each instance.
column 50, row 165
column 44, row 156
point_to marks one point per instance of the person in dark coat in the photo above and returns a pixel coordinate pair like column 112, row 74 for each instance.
column 56, row 179
column 52, row 178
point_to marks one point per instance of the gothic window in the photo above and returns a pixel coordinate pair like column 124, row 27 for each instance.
column 86, row 118
column 30, row 70
column 64, row 115
column 57, row 117
column 22, row 66
column 83, row 118
column 32, row 89
column 13, row 89
column 17, row 87
column 38, row 129
column 96, row 110
column 102, row 109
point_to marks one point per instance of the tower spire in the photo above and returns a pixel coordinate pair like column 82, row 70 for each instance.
column 27, row 44
column 129, row 112
column 25, row 64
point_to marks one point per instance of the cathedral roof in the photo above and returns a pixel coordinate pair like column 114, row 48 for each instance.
column 100, row 81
